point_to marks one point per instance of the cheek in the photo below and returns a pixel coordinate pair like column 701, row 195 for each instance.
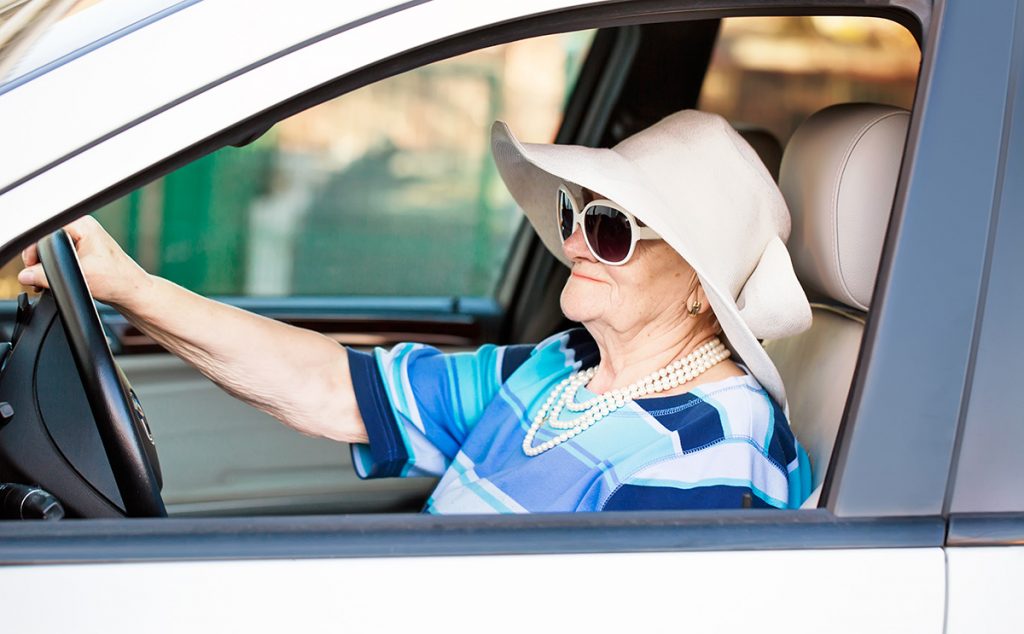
column 658, row 281
column 674, row 283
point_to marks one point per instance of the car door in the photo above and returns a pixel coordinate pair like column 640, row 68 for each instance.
column 870, row 558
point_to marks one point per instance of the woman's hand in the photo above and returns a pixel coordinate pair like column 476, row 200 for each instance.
column 112, row 276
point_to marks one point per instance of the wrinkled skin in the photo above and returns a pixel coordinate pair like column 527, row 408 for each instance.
column 638, row 312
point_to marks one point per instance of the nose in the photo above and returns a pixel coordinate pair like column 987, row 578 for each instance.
column 575, row 248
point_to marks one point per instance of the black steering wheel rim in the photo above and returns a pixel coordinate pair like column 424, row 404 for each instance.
column 109, row 397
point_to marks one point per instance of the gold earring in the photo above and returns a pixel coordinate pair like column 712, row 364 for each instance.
column 695, row 308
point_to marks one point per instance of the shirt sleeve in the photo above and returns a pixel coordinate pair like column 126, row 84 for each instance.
column 419, row 404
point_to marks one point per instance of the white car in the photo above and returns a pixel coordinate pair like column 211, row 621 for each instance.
column 907, row 224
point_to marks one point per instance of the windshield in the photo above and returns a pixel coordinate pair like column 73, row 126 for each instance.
column 38, row 35
column 21, row 24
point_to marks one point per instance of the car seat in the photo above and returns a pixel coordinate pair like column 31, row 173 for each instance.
column 768, row 148
column 838, row 175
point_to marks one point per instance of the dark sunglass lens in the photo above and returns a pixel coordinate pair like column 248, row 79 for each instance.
column 608, row 232
column 565, row 215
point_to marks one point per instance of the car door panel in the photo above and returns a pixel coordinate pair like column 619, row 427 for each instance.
column 222, row 456
column 855, row 591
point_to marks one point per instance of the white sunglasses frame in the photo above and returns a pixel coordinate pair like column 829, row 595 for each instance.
column 636, row 232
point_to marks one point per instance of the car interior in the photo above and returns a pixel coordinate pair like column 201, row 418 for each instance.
column 81, row 435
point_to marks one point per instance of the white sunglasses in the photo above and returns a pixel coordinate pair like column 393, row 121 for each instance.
column 609, row 231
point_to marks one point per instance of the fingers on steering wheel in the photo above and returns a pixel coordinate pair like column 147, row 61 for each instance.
column 76, row 229
column 30, row 255
column 80, row 228
column 34, row 276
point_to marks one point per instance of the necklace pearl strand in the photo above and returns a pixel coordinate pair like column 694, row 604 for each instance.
column 563, row 395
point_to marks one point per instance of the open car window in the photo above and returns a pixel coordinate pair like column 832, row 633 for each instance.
column 335, row 202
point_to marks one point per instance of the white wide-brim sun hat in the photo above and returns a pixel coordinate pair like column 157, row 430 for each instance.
column 694, row 180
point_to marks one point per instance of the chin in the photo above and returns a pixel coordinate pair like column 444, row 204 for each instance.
column 577, row 305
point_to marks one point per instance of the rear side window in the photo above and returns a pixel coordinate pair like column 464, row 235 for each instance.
column 774, row 72
column 388, row 190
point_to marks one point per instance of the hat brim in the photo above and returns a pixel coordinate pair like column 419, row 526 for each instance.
column 533, row 172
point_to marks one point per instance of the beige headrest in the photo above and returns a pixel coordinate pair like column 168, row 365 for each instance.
column 839, row 176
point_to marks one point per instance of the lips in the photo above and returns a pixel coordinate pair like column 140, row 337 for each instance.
column 585, row 277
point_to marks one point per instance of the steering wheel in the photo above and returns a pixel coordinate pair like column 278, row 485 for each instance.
column 118, row 414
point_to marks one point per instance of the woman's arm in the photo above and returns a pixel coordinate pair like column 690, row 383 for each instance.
column 297, row 376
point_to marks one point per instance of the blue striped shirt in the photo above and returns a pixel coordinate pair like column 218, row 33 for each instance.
column 463, row 416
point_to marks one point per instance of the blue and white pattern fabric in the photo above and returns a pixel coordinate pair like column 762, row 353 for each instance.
column 463, row 416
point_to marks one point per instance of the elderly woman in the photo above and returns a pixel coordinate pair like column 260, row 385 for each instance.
column 664, row 399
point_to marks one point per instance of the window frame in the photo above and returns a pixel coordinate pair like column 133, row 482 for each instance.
column 411, row 535
column 984, row 497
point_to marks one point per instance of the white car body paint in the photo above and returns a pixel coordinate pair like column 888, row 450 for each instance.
column 985, row 589
column 783, row 592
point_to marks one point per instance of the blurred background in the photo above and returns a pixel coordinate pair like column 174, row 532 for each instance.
column 390, row 190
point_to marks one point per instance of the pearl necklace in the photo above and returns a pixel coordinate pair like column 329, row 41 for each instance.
column 563, row 395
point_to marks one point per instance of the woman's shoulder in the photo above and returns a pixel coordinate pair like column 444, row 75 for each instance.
column 746, row 408
column 734, row 408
